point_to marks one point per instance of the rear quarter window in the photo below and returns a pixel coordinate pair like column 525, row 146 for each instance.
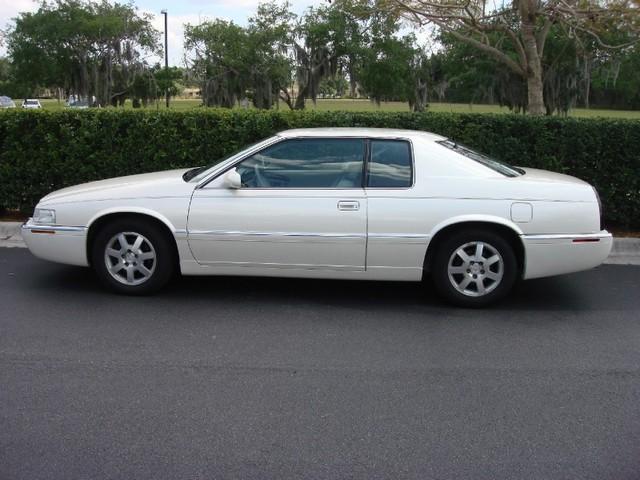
column 390, row 165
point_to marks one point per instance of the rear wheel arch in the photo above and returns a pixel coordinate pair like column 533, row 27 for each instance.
column 505, row 231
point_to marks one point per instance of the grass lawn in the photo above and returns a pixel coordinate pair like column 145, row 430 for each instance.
column 366, row 105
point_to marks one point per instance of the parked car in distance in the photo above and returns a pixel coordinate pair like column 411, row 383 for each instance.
column 82, row 104
column 75, row 101
column 6, row 102
column 334, row 203
column 31, row 103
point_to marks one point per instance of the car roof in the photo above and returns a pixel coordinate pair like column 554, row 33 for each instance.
column 359, row 132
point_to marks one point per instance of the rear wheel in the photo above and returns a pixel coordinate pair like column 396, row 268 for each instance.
column 133, row 257
column 474, row 268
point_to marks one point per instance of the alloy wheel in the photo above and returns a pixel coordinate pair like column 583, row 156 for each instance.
column 475, row 269
column 130, row 258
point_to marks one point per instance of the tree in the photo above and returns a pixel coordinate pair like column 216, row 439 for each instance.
column 234, row 62
column 168, row 80
column 615, row 80
column 88, row 49
column 144, row 89
column 341, row 38
column 356, row 23
column 219, row 49
column 386, row 74
column 8, row 84
column 316, row 54
column 470, row 76
column 270, row 62
column 524, row 24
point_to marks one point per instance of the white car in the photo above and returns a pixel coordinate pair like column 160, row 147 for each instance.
column 335, row 203
column 6, row 102
column 31, row 103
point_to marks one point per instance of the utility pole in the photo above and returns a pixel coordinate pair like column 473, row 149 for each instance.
column 166, row 56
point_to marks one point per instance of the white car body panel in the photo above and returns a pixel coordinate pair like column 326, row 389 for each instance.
column 265, row 228
column 303, row 232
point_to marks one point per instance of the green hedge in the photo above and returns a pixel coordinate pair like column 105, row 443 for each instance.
column 42, row 151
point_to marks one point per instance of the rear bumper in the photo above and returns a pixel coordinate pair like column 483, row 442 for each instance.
column 547, row 255
column 57, row 243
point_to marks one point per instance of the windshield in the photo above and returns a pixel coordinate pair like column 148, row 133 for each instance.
column 495, row 165
column 198, row 173
column 31, row 102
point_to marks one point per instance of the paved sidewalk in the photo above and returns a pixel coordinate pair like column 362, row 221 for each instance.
column 626, row 251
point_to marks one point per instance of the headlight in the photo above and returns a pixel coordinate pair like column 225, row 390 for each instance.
column 42, row 215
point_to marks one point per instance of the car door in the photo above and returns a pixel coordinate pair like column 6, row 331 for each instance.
column 301, row 205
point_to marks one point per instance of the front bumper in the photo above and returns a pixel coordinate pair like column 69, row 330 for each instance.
column 57, row 243
column 547, row 255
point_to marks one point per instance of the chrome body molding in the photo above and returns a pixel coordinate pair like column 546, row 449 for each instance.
column 274, row 237
column 180, row 234
column 417, row 236
column 312, row 237
column 399, row 238
column 28, row 225
column 273, row 234
column 568, row 236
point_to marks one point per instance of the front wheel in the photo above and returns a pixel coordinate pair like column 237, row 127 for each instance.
column 133, row 257
column 474, row 268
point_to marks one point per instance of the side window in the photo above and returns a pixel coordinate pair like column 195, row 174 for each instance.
column 390, row 164
column 306, row 163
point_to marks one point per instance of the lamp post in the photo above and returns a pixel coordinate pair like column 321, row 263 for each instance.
column 166, row 55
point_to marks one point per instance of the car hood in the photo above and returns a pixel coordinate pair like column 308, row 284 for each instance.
column 157, row 184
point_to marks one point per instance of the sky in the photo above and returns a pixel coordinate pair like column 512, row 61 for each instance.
column 179, row 13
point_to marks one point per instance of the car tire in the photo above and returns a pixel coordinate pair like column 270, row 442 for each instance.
column 133, row 257
column 474, row 268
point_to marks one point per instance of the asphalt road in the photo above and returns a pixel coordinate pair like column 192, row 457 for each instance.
column 272, row 379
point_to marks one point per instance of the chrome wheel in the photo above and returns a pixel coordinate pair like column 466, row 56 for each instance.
column 475, row 269
column 130, row 258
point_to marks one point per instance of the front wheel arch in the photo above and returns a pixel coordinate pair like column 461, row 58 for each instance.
column 106, row 219
column 510, row 235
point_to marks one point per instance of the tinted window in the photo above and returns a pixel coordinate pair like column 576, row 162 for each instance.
column 390, row 164
column 306, row 163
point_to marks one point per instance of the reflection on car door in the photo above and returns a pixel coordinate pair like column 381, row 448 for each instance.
column 301, row 206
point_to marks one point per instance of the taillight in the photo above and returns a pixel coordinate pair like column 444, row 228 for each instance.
column 600, row 210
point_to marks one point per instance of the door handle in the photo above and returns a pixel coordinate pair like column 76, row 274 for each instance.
column 348, row 205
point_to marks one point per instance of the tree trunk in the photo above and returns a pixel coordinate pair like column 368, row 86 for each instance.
column 302, row 95
column 587, row 80
column 286, row 97
column 352, row 78
column 534, row 70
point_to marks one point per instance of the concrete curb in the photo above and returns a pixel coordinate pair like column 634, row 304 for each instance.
column 626, row 250
column 10, row 235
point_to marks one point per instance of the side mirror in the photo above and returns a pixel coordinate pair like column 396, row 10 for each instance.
column 232, row 179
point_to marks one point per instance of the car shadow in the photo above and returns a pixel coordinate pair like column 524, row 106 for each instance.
column 563, row 293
